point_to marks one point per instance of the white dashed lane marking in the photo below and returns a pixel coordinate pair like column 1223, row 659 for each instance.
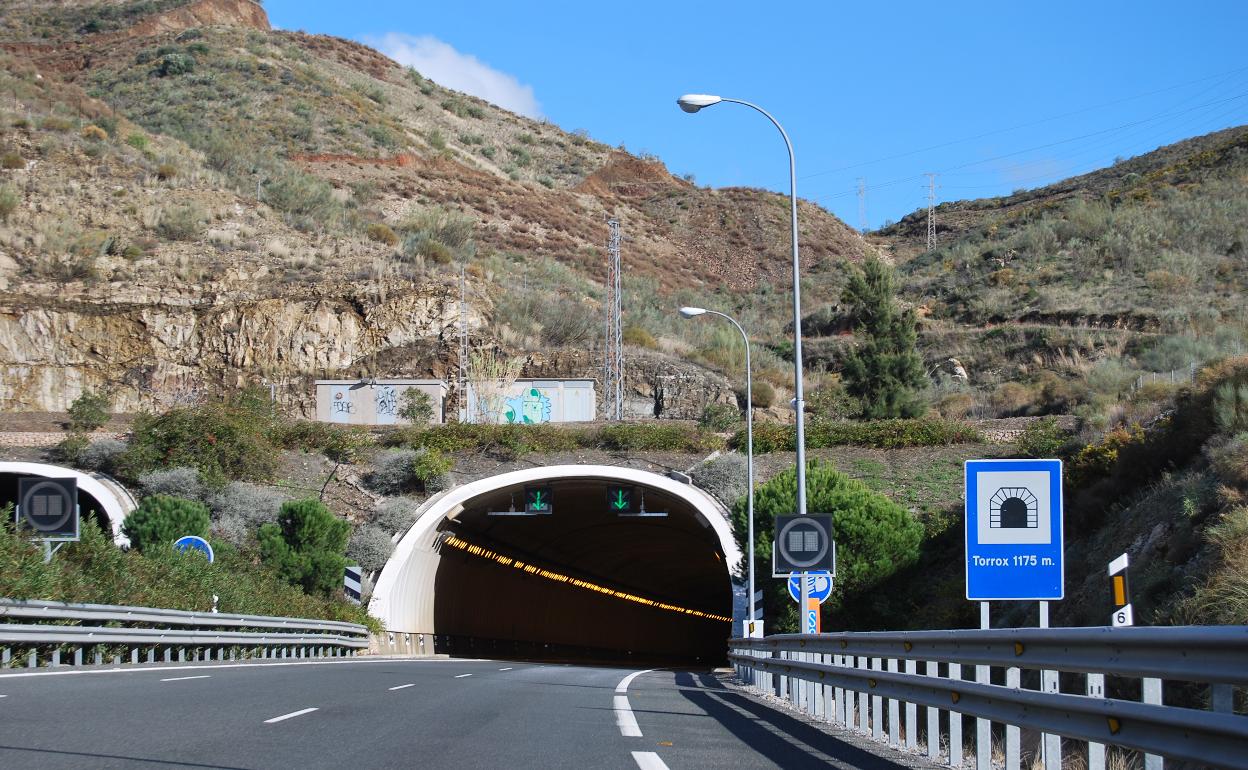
column 402, row 686
column 291, row 715
column 648, row 760
column 184, row 678
column 461, row 676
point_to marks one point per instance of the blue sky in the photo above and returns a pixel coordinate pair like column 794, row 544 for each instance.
column 993, row 96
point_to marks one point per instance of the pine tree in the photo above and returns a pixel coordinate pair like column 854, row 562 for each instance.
column 306, row 546
column 161, row 519
column 884, row 370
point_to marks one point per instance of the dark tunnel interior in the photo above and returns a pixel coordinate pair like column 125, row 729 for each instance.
column 516, row 593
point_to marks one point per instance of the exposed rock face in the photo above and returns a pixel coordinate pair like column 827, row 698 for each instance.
column 654, row 385
column 155, row 347
column 235, row 13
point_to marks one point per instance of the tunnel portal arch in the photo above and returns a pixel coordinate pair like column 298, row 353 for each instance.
column 105, row 494
column 422, row 588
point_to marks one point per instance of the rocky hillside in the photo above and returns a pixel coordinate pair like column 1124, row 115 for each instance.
column 190, row 200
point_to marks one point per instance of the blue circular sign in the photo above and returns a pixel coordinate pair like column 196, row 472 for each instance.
column 194, row 543
column 820, row 585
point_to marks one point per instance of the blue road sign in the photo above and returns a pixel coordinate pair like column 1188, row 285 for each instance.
column 194, row 543
column 820, row 585
column 1014, row 530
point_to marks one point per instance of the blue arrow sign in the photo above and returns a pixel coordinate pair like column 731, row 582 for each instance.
column 193, row 543
column 820, row 585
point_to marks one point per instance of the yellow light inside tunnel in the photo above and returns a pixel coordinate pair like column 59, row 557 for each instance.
column 507, row 561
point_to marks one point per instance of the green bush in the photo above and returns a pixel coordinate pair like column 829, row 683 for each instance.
column 518, row 440
column 340, row 443
column 875, row 537
column 416, row 406
column 96, row 571
column 69, row 450
column 226, row 441
column 175, row 64
column 90, row 411
column 430, row 467
column 8, row 202
column 159, row 520
column 181, row 223
column 381, row 233
column 764, row 395
column 306, row 546
column 1043, row 438
column 878, row 434
column 719, row 417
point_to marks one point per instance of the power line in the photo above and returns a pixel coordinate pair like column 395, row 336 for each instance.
column 1226, row 75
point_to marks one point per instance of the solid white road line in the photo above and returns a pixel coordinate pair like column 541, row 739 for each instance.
column 291, row 715
column 648, row 760
column 505, row 669
column 461, row 676
column 184, row 678
column 165, row 668
column 622, row 687
column 624, row 718
column 402, row 686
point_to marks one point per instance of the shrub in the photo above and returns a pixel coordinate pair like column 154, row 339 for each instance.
column 90, row 411
column 223, row 441
column 340, row 443
column 1230, row 460
column 54, row 123
column 102, row 455
column 137, row 141
column 723, row 476
column 370, row 547
column 1096, row 460
column 1011, row 398
column 1230, row 407
column 955, row 406
column 517, row 440
column 396, row 514
column 12, row 160
column 9, row 199
column 94, row 133
column 175, row 64
column 639, row 337
column 381, row 233
column 69, row 450
column 831, row 402
column 161, row 519
column 166, row 171
column 416, row 406
column 651, row 437
column 431, row 469
column 1043, row 438
column 438, row 234
column 180, row 223
column 719, row 417
column 879, row 434
column 875, row 536
column 253, row 504
column 393, row 472
column 884, row 370
column 306, row 546
column 175, row 482
column 764, row 395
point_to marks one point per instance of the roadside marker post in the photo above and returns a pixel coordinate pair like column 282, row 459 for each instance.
column 1122, row 614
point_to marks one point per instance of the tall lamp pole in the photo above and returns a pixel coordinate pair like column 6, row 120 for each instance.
column 694, row 312
column 693, row 103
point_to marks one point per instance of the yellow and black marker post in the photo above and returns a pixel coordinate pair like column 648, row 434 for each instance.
column 1122, row 615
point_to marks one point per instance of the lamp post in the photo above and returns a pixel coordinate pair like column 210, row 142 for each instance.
column 693, row 103
column 694, row 312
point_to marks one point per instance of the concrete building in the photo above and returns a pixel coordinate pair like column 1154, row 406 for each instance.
column 528, row 401
column 374, row 402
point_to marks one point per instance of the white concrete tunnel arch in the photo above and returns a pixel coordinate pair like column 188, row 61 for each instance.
column 115, row 499
column 403, row 599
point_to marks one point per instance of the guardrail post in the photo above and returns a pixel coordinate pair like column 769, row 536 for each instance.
column 877, row 706
column 912, row 713
column 894, row 718
column 864, row 713
column 838, row 694
column 1096, row 751
column 1152, row 694
column 181, row 654
column 955, row 723
column 116, row 660
column 829, row 701
column 933, row 718
column 168, row 655
column 1013, row 748
column 99, row 656
column 5, row 657
column 1222, row 698
column 77, row 656
column 134, row 655
column 31, row 660
column 151, row 654
column 56, row 657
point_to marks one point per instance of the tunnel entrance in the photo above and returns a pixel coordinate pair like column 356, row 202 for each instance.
column 582, row 582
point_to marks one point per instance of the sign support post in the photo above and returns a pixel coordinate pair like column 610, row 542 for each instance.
column 983, row 734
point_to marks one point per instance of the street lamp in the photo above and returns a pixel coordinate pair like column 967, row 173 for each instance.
column 693, row 103
column 694, row 312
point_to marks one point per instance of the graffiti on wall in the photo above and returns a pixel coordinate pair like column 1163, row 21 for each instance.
column 527, row 408
column 387, row 404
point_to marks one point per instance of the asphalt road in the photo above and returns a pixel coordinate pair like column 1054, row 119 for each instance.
column 402, row 713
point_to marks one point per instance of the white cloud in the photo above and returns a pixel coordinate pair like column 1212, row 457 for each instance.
column 447, row 67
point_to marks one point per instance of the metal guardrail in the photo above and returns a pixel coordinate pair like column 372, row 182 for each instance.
column 850, row 678
column 167, row 632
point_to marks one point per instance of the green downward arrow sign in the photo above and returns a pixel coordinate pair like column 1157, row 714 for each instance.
column 538, row 502
column 619, row 502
